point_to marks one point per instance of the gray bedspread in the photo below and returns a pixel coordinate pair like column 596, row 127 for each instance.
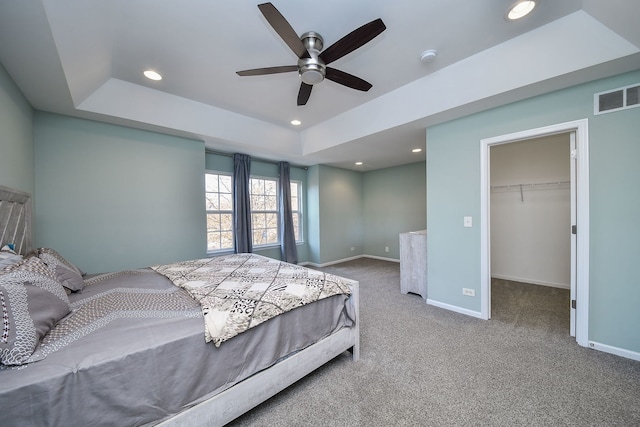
column 133, row 352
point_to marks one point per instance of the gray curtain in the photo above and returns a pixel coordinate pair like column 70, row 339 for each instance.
column 288, row 250
column 242, row 241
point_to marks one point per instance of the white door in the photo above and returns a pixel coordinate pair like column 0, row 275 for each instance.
column 573, row 231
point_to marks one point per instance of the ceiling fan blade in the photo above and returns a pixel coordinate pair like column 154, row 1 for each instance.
column 304, row 93
column 347, row 79
column 353, row 41
column 284, row 29
column 268, row 70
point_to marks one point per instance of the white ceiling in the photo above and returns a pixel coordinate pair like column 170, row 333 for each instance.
column 85, row 58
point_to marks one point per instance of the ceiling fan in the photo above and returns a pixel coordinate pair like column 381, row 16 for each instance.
column 312, row 61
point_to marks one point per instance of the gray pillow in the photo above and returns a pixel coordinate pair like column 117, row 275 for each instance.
column 67, row 274
column 32, row 303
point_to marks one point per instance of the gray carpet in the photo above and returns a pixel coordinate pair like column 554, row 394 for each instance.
column 423, row 366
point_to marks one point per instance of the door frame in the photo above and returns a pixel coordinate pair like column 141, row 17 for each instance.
column 580, row 262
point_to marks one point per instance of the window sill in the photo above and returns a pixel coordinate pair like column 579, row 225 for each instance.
column 255, row 248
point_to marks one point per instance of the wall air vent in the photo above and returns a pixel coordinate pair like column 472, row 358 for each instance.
column 617, row 99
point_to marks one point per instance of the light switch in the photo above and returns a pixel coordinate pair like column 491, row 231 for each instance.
column 468, row 221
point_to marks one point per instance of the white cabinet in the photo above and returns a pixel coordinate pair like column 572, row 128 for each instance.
column 413, row 263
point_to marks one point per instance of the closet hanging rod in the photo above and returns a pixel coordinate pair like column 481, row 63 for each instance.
column 529, row 186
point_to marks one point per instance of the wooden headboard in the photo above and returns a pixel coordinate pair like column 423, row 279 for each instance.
column 15, row 219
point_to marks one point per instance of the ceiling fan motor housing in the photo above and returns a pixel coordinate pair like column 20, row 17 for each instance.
column 312, row 70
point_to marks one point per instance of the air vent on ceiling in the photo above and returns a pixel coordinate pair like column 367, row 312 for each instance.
column 617, row 99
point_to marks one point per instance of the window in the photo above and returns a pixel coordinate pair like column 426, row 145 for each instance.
column 219, row 202
column 264, row 211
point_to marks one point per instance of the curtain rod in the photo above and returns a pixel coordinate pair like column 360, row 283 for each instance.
column 258, row 159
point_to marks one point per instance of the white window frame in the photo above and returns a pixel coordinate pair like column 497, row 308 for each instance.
column 299, row 229
column 219, row 211
column 265, row 212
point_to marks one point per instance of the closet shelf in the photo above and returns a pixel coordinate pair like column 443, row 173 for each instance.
column 531, row 186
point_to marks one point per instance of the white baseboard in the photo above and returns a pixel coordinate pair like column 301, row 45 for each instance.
column 338, row 261
column 531, row 281
column 454, row 308
column 381, row 258
column 634, row 355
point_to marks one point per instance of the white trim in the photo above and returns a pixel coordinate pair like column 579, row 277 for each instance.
column 338, row 261
column 454, row 308
column 485, row 230
column 633, row 355
column 580, row 127
column 573, row 285
column 326, row 264
column 382, row 258
column 531, row 281
column 583, row 239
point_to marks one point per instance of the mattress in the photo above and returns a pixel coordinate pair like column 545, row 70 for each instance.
column 132, row 352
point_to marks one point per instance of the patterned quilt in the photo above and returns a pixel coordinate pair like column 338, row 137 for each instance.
column 238, row 292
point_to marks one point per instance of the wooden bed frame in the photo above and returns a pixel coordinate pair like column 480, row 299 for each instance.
column 15, row 227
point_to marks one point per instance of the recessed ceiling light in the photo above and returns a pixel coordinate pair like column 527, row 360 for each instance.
column 358, row 163
column 152, row 75
column 416, row 150
column 520, row 9
column 296, row 122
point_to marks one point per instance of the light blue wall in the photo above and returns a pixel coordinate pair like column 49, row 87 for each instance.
column 337, row 195
column 615, row 232
column 313, row 215
column 110, row 198
column 394, row 202
column 453, row 191
column 16, row 137
column 224, row 163
column 363, row 210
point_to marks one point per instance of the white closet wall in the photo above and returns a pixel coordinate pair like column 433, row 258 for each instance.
column 531, row 211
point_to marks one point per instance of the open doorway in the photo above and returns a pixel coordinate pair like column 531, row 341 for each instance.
column 579, row 187
column 530, row 214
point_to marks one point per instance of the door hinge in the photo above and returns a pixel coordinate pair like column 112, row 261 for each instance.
column 574, row 229
column 573, row 304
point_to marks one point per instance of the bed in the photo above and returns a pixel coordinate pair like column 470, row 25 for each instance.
column 132, row 349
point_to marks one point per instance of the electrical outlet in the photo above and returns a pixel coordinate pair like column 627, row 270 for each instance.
column 386, row 248
column 468, row 221
column 468, row 292
column 352, row 249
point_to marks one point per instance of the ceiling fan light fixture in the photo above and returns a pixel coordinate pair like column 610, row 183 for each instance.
column 311, row 73
column 520, row 9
